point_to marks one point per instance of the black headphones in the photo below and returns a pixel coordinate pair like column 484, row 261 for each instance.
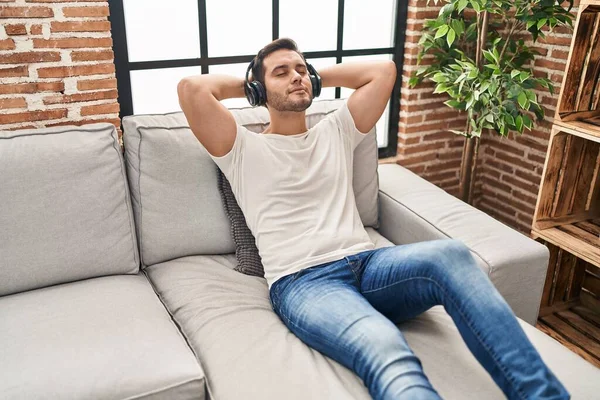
column 257, row 94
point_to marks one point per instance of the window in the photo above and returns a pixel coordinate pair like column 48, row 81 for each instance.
column 156, row 46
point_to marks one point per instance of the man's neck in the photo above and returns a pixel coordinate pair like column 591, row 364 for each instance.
column 287, row 122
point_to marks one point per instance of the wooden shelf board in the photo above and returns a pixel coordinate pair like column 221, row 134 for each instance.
column 577, row 328
column 588, row 129
column 580, row 239
column 550, row 222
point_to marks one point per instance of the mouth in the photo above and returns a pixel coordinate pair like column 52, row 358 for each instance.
column 298, row 90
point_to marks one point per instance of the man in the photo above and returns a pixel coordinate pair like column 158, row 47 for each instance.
column 327, row 282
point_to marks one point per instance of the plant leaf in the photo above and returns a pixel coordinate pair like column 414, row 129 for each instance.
column 439, row 77
column 470, row 100
column 458, row 26
column 541, row 23
column 441, row 88
column 458, row 132
column 460, row 78
column 446, row 11
column 422, row 70
column 441, row 31
column 453, row 104
column 450, row 37
column 488, row 56
column 519, row 123
column 527, row 121
column 523, row 101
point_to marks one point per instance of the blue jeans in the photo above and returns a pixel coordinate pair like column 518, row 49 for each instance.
column 348, row 310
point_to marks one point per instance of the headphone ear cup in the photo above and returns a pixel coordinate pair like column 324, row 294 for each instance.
column 316, row 86
column 315, row 80
column 255, row 93
column 261, row 93
column 250, row 94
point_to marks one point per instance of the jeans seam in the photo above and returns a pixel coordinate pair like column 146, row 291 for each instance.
column 430, row 388
column 274, row 301
column 275, row 296
column 476, row 333
column 351, row 266
column 324, row 338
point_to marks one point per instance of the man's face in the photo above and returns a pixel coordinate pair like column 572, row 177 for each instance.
column 287, row 82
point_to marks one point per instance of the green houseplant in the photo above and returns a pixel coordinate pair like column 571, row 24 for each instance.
column 480, row 59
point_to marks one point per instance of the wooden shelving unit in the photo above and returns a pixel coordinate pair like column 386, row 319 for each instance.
column 568, row 207
column 567, row 213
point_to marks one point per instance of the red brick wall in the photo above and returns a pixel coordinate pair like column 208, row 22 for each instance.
column 509, row 169
column 56, row 64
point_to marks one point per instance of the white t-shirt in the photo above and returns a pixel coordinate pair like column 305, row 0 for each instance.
column 296, row 193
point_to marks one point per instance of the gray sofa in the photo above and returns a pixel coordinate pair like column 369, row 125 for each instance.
column 117, row 280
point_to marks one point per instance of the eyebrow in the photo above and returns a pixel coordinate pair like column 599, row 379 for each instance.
column 285, row 66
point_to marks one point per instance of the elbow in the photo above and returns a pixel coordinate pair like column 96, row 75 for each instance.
column 190, row 90
column 183, row 87
column 389, row 74
column 390, row 70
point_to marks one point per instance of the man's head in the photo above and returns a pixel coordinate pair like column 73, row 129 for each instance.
column 281, row 68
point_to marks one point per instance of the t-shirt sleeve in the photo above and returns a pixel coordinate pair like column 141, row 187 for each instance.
column 231, row 162
column 346, row 124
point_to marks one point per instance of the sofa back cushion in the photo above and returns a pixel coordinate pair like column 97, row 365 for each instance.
column 174, row 183
column 65, row 211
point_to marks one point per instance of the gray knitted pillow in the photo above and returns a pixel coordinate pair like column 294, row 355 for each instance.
column 246, row 252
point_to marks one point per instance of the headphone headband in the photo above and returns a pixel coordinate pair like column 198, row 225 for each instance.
column 249, row 68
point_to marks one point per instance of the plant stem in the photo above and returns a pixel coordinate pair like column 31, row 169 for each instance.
column 473, row 166
column 510, row 33
column 472, row 144
column 483, row 39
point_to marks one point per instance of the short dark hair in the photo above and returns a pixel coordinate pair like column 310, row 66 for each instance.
column 258, row 70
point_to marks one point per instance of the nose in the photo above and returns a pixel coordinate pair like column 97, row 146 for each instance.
column 296, row 77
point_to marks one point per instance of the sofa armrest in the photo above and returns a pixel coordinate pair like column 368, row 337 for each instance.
column 414, row 210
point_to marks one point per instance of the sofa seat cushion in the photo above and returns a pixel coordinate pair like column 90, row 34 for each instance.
column 103, row 338
column 229, row 321
column 246, row 352
column 455, row 372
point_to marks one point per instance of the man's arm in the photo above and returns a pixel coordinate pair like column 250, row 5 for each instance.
column 373, row 81
column 210, row 121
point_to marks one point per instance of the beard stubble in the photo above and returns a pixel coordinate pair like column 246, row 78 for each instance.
column 286, row 103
